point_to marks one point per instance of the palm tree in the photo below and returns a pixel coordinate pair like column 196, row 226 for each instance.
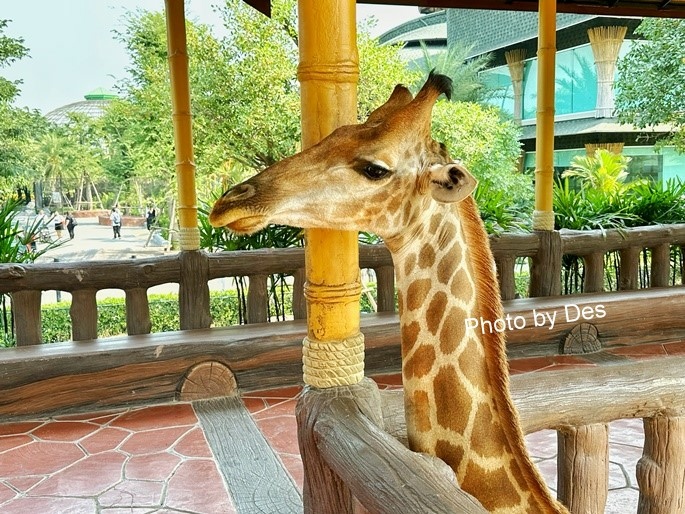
column 55, row 159
column 456, row 64
column 604, row 171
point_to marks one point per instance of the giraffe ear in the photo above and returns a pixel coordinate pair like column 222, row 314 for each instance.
column 398, row 99
column 451, row 183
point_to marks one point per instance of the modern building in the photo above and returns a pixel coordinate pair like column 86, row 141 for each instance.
column 588, row 48
column 430, row 28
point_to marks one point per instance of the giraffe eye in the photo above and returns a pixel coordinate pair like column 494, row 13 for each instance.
column 374, row 171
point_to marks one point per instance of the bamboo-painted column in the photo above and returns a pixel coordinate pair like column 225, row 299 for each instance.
column 328, row 72
column 543, row 216
column 193, row 292
column 189, row 233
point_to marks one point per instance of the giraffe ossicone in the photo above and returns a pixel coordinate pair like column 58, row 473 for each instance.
column 388, row 176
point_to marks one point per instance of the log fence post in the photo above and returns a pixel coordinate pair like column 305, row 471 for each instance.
column 545, row 270
column 84, row 314
column 257, row 299
column 324, row 492
column 385, row 288
column 629, row 266
column 594, row 272
column 583, row 468
column 505, row 275
column 137, row 312
column 27, row 317
column 661, row 469
column 299, row 302
column 193, row 291
column 661, row 265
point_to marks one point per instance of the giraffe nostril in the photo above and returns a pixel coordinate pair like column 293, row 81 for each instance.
column 239, row 192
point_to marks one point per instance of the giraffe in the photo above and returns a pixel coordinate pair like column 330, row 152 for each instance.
column 390, row 177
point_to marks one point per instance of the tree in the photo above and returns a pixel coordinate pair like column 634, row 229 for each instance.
column 651, row 82
column 17, row 126
column 11, row 49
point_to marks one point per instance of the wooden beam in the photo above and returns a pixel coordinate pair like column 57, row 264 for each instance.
column 151, row 367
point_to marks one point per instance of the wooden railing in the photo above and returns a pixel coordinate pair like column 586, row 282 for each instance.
column 351, row 435
column 193, row 270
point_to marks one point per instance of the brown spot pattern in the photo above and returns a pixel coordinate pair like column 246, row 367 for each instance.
column 426, row 257
column 435, row 223
column 500, row 493
column 436, row 311
column 472, row 365
column 447, row 235
column 453, row 398
column 417, row 292
column 409, row 264
column 395, row 204
column 488, row 438
column 448, row 265
column 420, row 363
column 460, row 285
column 453, row 330
column 420, row 404
column 406, row 216
column 450, row 453
column 410, row 334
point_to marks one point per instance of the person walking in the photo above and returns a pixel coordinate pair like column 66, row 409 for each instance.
column 115, row 218
column 71, row 223
column 58, row 220
column 150, row 217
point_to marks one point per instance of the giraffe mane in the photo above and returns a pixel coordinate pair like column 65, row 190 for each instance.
column 490, row 306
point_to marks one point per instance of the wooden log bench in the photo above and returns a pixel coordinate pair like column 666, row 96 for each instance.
column 148, row 368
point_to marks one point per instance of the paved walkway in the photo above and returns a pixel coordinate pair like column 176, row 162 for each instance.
column 96, row 242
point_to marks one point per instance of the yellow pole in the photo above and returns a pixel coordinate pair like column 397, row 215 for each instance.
column 543, row 217
column 328, row 73
column 183, row 133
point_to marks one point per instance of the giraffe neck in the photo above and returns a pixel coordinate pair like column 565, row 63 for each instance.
column 457, row 398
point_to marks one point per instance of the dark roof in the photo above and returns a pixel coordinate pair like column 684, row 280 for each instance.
column 648, row 8
column 657, row 8
column 591, row 125
column 494, row 32
column 427, row 27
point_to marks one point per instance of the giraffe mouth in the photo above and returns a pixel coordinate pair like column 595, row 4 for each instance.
column 247, row 224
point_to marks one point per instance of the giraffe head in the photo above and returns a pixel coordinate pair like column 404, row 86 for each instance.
column 357, row 178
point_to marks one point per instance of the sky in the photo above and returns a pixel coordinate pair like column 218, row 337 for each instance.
column 72, row 50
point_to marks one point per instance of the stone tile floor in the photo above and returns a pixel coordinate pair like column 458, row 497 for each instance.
column 152, row 459
column 156, row 459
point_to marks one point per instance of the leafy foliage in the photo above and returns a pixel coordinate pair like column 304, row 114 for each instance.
column 604, row 171
column 488, row 145
column 588, row 208
column 651, row 81
column 468, row 86
column 11, row 49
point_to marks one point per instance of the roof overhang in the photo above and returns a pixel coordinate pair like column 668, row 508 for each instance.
column 648, row 8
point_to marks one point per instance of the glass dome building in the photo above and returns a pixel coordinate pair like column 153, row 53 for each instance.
column 93, row 106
